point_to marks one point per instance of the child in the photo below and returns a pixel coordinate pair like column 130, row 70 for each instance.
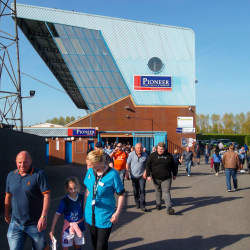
column 72, row 208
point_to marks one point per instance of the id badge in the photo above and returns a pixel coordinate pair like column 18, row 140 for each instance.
column 101, row 184
column 93, row 202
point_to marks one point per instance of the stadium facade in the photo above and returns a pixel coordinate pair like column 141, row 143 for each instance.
column 136, row 80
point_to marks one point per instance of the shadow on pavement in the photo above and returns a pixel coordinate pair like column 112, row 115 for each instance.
column 195, row 243
column 195, row 203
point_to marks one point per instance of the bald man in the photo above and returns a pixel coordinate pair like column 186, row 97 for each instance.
column 28, row 193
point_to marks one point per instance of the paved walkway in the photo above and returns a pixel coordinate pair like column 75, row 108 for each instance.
column 207, row 216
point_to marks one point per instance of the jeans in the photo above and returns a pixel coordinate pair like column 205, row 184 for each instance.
column 122, row 175
column 139, row 190
column 231, row 172
column 99, row 237
column 206, row 159
column 17, row 235
column 188, row 167
column 163, row 187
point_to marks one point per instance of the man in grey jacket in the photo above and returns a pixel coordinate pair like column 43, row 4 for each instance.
column 137, row 164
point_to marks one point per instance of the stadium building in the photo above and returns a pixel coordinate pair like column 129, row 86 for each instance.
column 136, row 80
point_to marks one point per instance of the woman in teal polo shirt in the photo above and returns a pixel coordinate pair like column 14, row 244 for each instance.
column 101, row 183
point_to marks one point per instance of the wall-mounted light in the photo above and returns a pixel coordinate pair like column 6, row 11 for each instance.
column 127, row 116
column 127, row 107
column 190, row 108
column 32, row 93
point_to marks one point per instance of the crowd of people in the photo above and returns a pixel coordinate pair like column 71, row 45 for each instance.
column 28, row 191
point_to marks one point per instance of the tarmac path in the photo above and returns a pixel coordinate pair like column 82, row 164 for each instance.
column 207, row 217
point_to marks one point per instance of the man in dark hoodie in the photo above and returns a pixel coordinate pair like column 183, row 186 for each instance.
column 161, row 165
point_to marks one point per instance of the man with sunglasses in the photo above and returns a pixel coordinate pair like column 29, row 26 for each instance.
column 120, row 160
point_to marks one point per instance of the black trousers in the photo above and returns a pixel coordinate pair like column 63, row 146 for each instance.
column 99, row 237
column 217, row 167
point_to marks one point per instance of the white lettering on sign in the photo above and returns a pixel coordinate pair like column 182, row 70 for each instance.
column 87, row 132
column 156, row 82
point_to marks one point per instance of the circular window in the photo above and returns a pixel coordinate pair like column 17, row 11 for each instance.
column 155, row 64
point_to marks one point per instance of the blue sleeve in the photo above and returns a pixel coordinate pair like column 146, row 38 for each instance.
column 61, row 207
column 43, row 182
column 119, row 188
column 86, row 179
column 7, row 190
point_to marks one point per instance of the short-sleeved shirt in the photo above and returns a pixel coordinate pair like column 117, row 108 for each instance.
column 242, row 154
column 188, row 155
column 137, row 164
column 27, row 195
column 216, row 158
column 100, row 213
column 120, row 160
column 72, row 209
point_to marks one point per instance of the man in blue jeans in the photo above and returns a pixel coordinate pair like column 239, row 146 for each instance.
column 189, row 156
column 231, row 163
column 28, row 193
column 137, row 164
column 206, row 154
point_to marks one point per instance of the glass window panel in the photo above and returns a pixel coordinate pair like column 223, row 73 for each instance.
column 86, row 95
column 60, row 45
column 102, row 63
column 87, row 33
column 85, row 62
column 94, row 46
column 60, row 30
column 77, row 62
column 110, row 63
column 77, row 46
column 110, row 79
column 119, row 80
column 93, row 95
column 85, row 79
column 93, row 79
column 102, row 47
column 124, row 91
column 69, row 63
column 91, row 107
column 78, row 79
column 85, row 46
column 102, row 95
column 102, row 79
column 109, row 94
column 117, row 93
column 69, row 31
column 78, row 32
column 94, row 63
column 68, row 46
column 96, row 34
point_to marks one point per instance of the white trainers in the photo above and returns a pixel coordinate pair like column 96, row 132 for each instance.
column 188, row 175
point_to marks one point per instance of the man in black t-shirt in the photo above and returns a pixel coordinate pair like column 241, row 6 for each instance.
column 107, row 159
column 161, row 165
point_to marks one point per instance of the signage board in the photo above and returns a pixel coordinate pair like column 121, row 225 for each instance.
column 87, row 132
column 185, row 122
column 184, row 142
column 153, row 83
column 185, row 130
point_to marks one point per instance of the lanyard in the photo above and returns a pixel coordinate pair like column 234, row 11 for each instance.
column 96, row 184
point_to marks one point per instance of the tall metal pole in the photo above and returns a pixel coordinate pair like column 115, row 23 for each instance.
column 18, row 71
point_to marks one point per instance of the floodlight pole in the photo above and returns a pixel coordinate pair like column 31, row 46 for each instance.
column 18, row 71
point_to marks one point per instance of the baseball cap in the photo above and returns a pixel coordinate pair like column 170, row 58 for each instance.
column 98, row 144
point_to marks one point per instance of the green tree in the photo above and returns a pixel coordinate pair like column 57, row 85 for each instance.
column 246, row 125
column 215, row 119
column 229, row 123
column 54, row 120
column 48, row 120
column 240, row 120
column 67, row 120
column 72, row 118
column 79, row 117
column 61, row 121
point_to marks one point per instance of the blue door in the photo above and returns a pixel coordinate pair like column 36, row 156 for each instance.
column 68, row 152
column 91, row 143
column 47, row 153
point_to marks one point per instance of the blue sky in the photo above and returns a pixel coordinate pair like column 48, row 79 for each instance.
column 222, row 33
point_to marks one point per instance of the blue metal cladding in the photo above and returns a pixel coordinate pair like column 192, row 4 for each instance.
column 91, row 65
column 133, row 44
column 68, row 152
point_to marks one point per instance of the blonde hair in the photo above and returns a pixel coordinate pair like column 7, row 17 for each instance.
column 175, row 151
column 95, row 156
column 73, row 180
